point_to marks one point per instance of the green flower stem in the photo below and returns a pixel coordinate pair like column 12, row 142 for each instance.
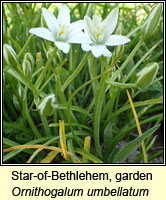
column 106, row 108
column 59, row 89
column 42, row 87
column 43, row 73
column 24, row 47
column 45, row 125
column 35, row 93
column 61, row 95
column 92, row 103
column 112, row 100
column 76, row 72
column 115, row 75
column 100, row 95
column 75, row 56
column 29, row 119
column 122, row 85
column 117, row 100
column 43, row 119
column 71, row 67
column 92, row 65
column 76, row 91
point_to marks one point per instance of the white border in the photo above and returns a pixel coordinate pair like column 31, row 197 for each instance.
column 2, row 83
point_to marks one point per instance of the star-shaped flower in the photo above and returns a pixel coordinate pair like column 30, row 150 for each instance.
column 60, row 30
column 100, row 34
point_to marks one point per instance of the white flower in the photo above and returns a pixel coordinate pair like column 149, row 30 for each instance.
column 100, row 34
column 60, row 30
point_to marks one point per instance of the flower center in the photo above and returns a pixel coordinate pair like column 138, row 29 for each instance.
column 98, row 32
column 63, row 29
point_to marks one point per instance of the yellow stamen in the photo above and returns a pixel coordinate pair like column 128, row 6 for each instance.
column 61, row 33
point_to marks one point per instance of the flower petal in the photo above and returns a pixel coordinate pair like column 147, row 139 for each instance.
column 43, row 33
column 79, row 38
column 110, row 22
column 77, row 26
column 64, row 15
column 96, row 20
column 50, row 19
column 85, row 47
column 107, row 53
column 63, row 46
column 115, row 40
column 98, row 50
column 89, row 28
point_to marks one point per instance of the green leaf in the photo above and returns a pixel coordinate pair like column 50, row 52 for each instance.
column 12, row 154
column 107, row 137
column 88, row 155
column 113, row 154
column 16, row 75
column 133, row 145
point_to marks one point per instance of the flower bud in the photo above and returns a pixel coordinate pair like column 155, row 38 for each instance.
column 57, row 59
column 151, row 24
column 39, row 60
column 27, row 70
column 46, row 107
column 9, row 55
column 16, row 103
column 28, row 56
column 147, row 75
column 49, row 54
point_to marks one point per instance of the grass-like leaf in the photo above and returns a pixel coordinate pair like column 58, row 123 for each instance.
column 134, row 145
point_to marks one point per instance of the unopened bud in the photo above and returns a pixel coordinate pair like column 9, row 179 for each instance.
column 16, row 103
column 57, row 59
column 49, row 54
column 20, row 91
column 9, row 55
column 39, row 60
column 28, row 56
column 147, row 75
column 151, row 24
column 27, row 70
column 46, row 107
